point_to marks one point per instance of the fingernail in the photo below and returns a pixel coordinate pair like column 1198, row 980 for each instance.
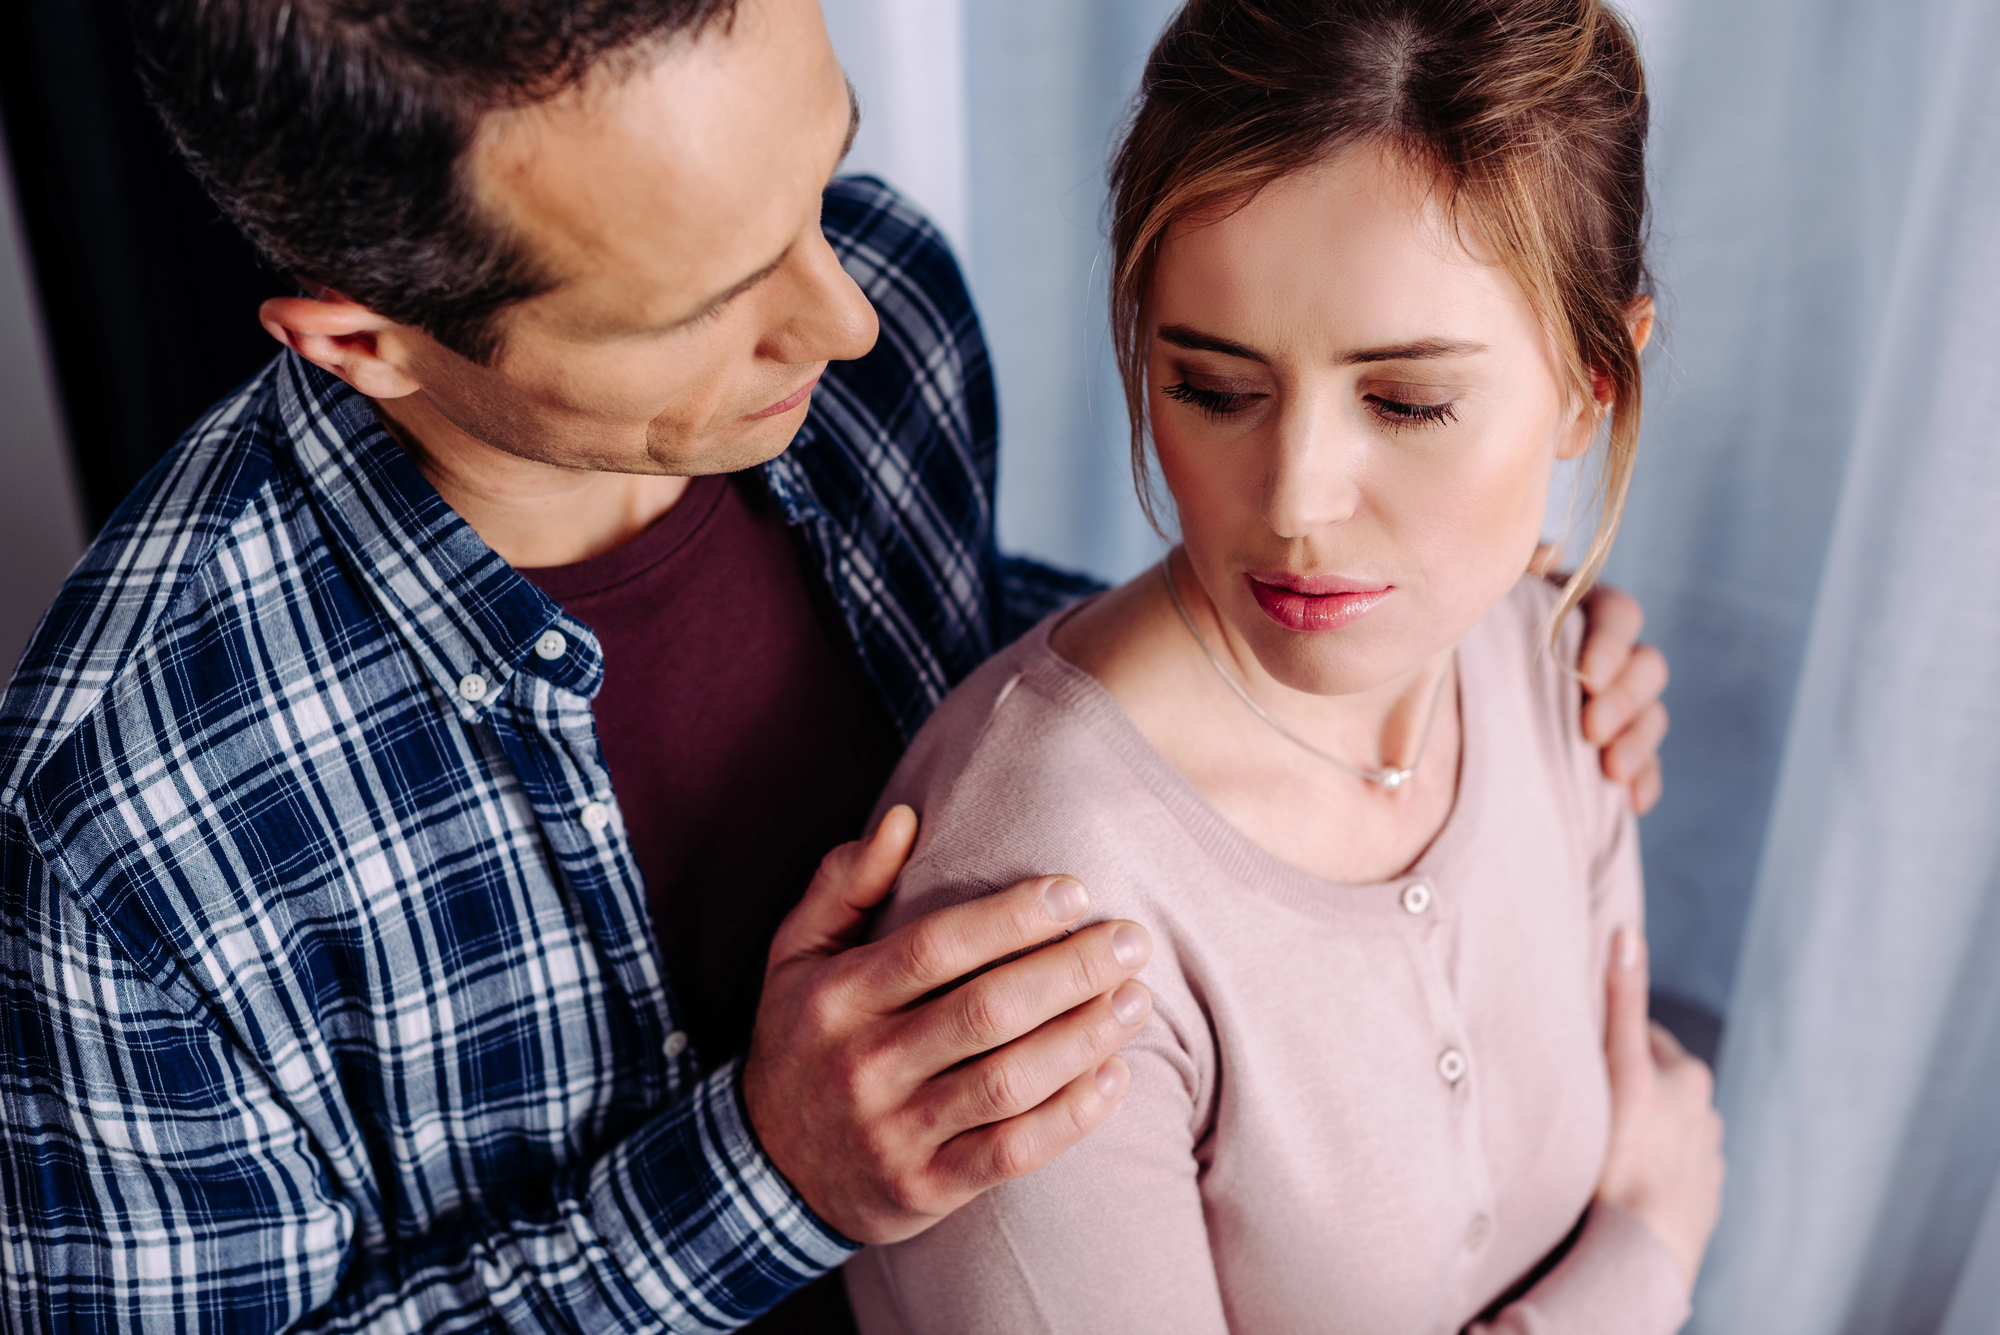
column 1130, row 1003
column 1110, row 1079
column 1065, row 899
column 1628, row 948
column 1129, row 946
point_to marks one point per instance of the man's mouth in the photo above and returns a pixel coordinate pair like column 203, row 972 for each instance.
column 790, row 401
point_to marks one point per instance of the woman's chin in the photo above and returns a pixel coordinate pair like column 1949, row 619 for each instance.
column 1313, row 664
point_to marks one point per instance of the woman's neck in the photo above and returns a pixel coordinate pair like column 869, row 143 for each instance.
column 1299, row 806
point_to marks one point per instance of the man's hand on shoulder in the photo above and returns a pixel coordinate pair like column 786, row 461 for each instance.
column 888, row 1107
column 1623, row 681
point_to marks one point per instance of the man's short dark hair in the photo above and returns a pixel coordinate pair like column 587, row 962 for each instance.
column 333, row 132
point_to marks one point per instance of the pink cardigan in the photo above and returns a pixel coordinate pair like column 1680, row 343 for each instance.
column 1357, row 1108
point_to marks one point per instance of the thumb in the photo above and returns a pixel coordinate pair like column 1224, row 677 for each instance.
column 1628, row 1047
column 851, row 880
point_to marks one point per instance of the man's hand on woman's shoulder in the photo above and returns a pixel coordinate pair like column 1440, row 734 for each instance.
column 888, row 1104
column 1623, row 682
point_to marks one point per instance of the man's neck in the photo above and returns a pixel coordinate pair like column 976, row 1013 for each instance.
column 533, row 514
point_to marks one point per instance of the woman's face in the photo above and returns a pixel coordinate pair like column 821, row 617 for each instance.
column 1357, row 419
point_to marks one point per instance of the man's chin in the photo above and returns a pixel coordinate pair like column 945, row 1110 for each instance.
column 752, row 444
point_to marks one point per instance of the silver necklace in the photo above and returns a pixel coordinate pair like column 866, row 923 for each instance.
column 1391, row 778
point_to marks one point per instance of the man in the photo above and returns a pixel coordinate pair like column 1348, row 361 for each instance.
column 334, row 953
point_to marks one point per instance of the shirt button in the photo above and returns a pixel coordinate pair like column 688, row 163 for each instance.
column 595, row 816
column 1416, row 897
column 552, row 645
column 1451, row 1065
column 1476, row 1231
column 472, row 687
column 676, row 1044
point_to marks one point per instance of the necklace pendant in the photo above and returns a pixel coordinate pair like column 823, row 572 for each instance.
column 1393, row 778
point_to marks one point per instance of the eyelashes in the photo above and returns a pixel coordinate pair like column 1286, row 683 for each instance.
column 1218, row 405
column 1212, row 403
column 1398, row 413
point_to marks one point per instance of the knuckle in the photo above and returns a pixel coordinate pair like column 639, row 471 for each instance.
column 998, row 1091
column 983, row 1018
column 926, row 952
column 854, row 1075
column 910, row 1192
column 1654, row 661
column 1085, row 965
column 1011, row 1156
column 823, row 1009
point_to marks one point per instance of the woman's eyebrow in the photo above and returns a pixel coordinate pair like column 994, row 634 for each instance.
column 1186, row 336
column 1423, row 349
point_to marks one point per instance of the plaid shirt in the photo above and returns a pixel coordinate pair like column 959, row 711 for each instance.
column 328, row 998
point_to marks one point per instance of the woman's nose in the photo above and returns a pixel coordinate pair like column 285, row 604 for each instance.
column 826, row 317
column 1312, row 481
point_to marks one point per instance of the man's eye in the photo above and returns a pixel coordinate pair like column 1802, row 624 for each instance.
column 1398, row 413
column 1211, row 402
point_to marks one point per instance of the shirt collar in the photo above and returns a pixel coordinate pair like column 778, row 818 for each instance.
column 469, row 619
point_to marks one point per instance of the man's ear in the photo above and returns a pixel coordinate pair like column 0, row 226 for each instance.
column 344, row 337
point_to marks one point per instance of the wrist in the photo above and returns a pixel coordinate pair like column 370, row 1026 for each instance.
column 1684, row 1241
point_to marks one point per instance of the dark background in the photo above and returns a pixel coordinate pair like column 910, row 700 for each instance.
column 149, row 296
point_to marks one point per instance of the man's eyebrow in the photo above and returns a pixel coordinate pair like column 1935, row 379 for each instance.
column 1423, row 349
column 853, row 119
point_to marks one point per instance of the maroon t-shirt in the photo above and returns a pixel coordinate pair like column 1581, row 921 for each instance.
column 744, row 739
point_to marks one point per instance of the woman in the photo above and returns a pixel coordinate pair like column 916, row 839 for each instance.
column 1378, row 267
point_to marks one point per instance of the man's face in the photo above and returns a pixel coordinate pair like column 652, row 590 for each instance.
column 678, row 205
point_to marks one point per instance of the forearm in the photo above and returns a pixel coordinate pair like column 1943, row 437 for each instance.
column 153, row 1168
column 1619, row 1279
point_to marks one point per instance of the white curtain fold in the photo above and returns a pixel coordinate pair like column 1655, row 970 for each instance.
column 1861, row 1067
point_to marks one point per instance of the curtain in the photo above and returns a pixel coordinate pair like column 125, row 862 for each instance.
column 1036, row 89
column 1814, row 531
column 1860, row 1069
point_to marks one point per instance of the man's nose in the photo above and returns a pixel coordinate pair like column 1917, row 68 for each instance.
column 1313, row 480
column 827, row 316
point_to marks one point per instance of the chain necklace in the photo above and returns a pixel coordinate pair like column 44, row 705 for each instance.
column 1390, row 778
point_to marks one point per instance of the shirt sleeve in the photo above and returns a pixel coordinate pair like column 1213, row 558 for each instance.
column 154, row 1176
column 1105, row 1239
column 1112, row 1232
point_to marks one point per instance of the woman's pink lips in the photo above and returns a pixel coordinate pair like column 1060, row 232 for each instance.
column 1316, row 603
column 787, row 404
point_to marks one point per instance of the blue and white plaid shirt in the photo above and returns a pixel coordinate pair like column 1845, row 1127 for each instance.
column 328, row 998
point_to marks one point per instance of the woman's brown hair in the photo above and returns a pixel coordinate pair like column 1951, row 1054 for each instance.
column 1531, row 114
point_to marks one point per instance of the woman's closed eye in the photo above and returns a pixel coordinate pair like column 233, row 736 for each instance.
column 1398, row 412
column 1214, row 403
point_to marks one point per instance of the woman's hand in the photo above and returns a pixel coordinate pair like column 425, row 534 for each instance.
column 1665, row 1162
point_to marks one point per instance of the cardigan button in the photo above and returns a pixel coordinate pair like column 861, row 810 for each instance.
column 1451, row 1065
column 1416, row 897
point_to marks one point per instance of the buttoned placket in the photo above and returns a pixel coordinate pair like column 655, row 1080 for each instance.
column 1424, row 908
column 558, row 675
